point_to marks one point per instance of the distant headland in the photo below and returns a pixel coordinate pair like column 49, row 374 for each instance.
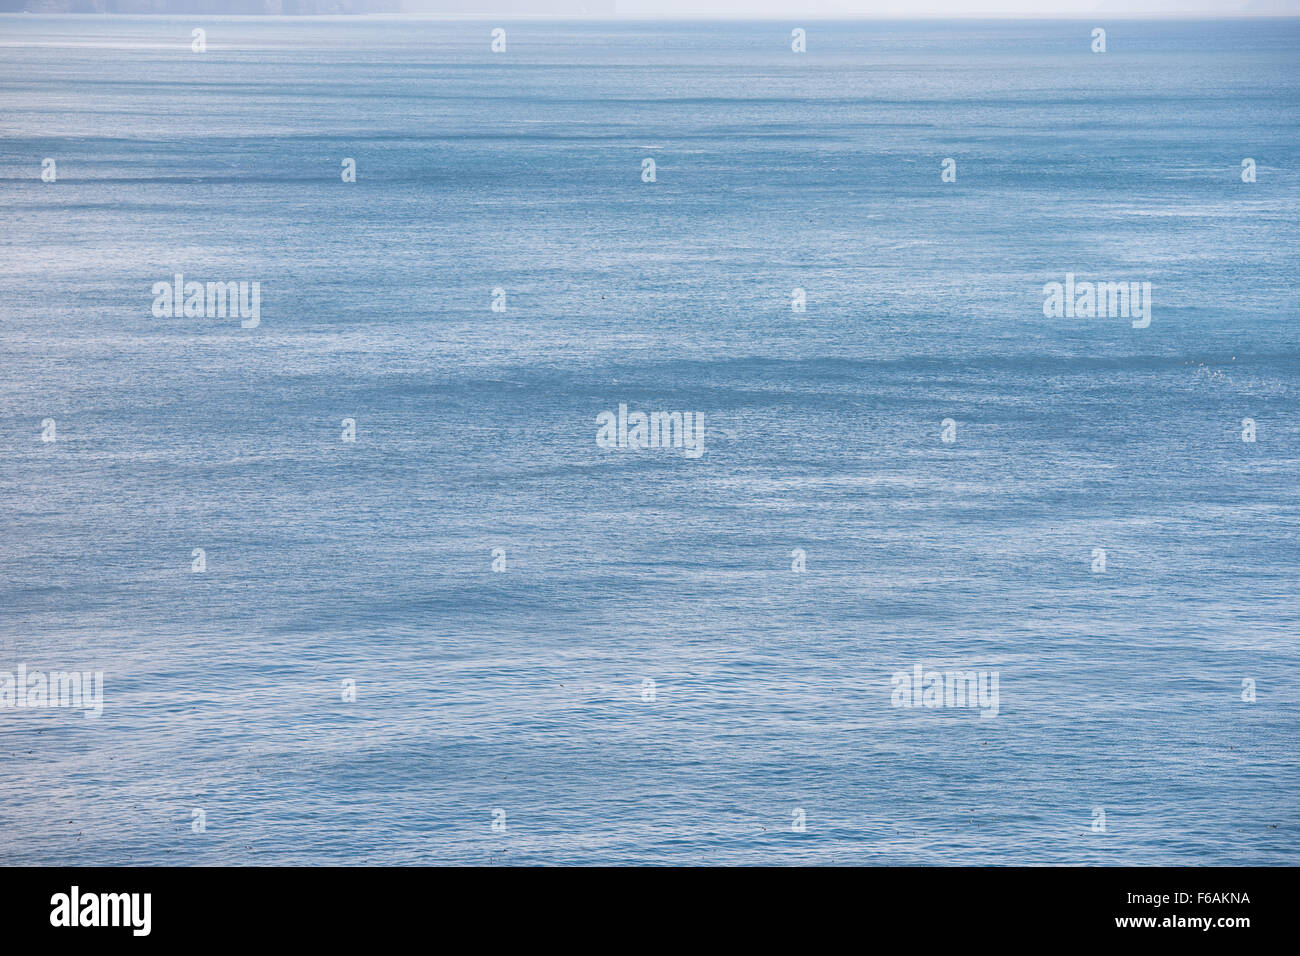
column 309, row 7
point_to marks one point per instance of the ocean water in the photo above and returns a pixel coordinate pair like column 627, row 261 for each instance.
column 524, row 690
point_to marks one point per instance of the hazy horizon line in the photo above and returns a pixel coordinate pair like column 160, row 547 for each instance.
column 676, row 18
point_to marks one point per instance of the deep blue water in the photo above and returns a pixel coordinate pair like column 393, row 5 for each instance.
column 523, row 689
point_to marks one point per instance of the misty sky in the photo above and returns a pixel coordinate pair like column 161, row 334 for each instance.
column 786, row 9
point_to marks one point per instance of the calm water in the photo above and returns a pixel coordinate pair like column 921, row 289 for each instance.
column 475, row 430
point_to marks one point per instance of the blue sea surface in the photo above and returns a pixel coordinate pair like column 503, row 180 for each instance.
column 525, row 690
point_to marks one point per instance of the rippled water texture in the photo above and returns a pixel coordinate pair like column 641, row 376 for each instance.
column 525, row 690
